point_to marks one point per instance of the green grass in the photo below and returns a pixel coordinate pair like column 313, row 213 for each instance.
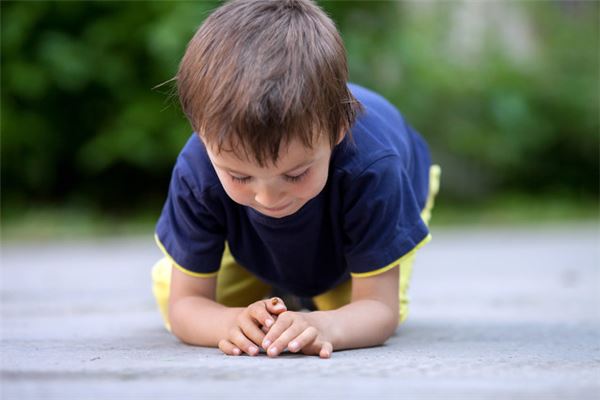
column 49, row 223
column 518, row 210
column 70, row 223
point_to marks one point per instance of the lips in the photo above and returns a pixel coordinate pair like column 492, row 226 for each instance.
column 276, row 209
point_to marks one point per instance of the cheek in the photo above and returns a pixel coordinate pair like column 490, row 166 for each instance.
column 237, row 192
column 310, row 187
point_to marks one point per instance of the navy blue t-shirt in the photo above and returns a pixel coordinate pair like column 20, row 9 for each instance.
column 366, row 217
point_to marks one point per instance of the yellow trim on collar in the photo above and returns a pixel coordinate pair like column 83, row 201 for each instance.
column 392, row 264
column 179, row 267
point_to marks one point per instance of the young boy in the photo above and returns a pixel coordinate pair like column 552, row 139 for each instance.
column 319, row 188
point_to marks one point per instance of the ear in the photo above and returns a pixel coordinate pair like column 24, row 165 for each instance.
column 341, row 137
column 200, row 136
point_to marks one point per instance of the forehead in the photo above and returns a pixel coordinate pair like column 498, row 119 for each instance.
column 290, row 155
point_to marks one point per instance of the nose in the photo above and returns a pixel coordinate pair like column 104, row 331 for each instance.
column 268, row 196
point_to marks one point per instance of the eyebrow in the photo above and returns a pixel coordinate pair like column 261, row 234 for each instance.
column 304, row 164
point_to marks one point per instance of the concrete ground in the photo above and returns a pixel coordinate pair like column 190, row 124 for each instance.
column 499, row 313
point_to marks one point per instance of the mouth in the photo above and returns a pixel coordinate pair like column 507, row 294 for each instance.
column 276, row 209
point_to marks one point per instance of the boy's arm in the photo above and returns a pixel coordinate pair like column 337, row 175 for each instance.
column 369, row 320
column 193, row 310
column 196, row 318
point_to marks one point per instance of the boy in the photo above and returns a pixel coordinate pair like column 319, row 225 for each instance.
column 318, row 188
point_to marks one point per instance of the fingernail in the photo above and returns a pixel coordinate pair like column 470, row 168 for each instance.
column 266, row 343
column 268, row 323
column 293, row 345
column 273, row 351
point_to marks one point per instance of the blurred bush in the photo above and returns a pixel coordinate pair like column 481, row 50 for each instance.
column 505, row 92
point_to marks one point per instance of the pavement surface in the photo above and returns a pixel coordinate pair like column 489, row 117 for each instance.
column 503, row 313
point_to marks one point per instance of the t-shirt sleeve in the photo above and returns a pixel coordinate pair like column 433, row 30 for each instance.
column 382, row 218
column 187, row 231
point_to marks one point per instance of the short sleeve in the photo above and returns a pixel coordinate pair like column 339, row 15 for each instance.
column 187, row 231
column 382, row 218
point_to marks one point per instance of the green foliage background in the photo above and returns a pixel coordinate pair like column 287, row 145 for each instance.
column 83, row 123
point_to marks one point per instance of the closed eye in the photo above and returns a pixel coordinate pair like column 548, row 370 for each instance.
column 296, row 178
column 240, row 179
column 289, row 178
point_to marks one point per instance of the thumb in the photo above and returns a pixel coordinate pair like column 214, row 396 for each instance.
column 275, row 305
column 326, row 350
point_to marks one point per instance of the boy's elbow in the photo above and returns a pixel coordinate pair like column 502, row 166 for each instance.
column 392, row 319
column 391, row 327
column 191, row 324
column 174, row 326
column 387, row 319
column 177, row 322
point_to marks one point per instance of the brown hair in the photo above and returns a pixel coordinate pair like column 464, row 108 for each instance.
column 259, row 73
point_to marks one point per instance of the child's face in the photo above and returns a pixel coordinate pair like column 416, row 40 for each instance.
column 275, row 191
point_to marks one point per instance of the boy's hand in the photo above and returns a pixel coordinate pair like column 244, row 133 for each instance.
column 296, row 332
column 251, row 325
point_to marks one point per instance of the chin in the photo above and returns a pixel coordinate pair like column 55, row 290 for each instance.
column 275, row 214
column 285, row 212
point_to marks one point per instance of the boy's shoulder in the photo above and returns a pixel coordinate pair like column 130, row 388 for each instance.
column 379, row 133
column 194, row 167
column 374, row 101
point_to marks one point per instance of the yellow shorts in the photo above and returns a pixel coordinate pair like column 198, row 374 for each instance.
column 236, row 287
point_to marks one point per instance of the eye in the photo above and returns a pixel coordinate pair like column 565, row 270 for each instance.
column 295, row 178
column 240, row 179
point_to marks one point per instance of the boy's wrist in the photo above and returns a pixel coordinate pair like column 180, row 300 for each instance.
column 325, row 323
column 191, row 327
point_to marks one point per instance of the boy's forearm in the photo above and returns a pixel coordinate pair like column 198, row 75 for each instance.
column 201, row 321
column 362, row 323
